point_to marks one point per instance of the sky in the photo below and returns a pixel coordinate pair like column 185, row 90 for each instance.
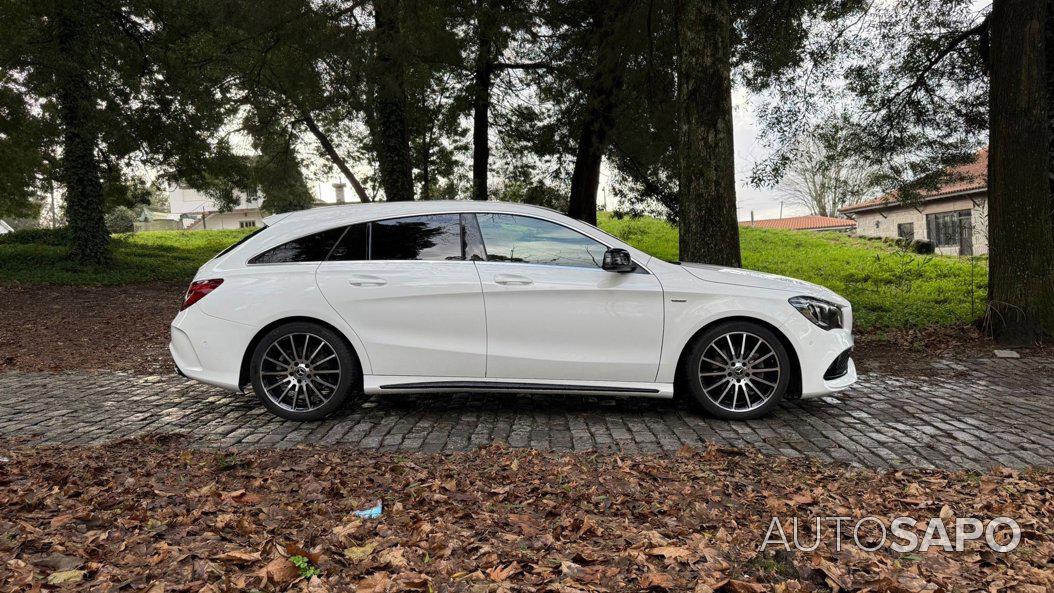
column 763, row 202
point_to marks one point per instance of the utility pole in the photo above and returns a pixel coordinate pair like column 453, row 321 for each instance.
column 781, row 209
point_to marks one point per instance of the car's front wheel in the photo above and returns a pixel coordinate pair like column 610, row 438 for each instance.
column 738, row 370
column 303, row 371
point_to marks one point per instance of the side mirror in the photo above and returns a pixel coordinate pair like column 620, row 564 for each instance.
column 618, row 260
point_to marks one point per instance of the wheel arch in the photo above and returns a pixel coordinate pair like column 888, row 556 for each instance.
column 243, row 372
column 795, row 385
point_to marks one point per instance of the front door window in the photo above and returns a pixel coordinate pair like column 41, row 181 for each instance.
column 526, row 240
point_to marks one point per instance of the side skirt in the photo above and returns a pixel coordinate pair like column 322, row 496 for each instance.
column 376, row 384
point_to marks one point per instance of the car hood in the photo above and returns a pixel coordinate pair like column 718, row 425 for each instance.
column 750, row 278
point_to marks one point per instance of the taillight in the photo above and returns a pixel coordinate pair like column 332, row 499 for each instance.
column 198, row 289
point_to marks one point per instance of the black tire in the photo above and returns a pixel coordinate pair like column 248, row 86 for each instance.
column 268, row 380
column 719, row 381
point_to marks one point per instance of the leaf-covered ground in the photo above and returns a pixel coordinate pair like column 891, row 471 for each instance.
column 155, row 515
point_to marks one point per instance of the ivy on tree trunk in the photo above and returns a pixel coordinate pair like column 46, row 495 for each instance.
column 85, row 207
column 709, row 232
column 1021, row 238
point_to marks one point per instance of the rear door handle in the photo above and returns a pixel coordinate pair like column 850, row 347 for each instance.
column 512, row 280
column 367, row 281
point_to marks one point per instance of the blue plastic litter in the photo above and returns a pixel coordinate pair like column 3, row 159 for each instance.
column 370, row 513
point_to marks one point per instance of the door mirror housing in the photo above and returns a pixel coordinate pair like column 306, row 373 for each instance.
column 618, row 260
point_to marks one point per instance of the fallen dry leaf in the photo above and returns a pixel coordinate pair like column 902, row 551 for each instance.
column 357, row 553
column 374, row 583
column 657, row 580
column 279, row 571
column 66, row 576
column 734, row 586
column 60, row 562
column 670, row 552
column 239, row 557
column 411, row 581
column 502, row 573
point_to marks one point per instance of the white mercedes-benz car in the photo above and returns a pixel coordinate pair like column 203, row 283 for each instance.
column 487, row 296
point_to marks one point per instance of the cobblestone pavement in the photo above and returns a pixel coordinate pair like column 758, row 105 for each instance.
column 963, row 415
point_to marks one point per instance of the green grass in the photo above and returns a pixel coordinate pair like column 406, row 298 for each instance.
column 138, row 257
column 889, row 288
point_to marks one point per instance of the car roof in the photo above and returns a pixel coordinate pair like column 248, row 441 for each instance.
column 350, row 213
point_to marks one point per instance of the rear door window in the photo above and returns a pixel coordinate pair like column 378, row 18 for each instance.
column 354, row 245
column 432, row 237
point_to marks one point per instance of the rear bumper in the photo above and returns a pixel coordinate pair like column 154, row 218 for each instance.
column 209, row 349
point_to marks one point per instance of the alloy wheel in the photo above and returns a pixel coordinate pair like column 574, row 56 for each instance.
column 300, row 372
column 739, row 371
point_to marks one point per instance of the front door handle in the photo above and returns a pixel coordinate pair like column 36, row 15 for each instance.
column 512, row 280
column 367, row 281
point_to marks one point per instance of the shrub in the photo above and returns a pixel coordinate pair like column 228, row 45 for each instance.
column 923, row 247
column 38, row 236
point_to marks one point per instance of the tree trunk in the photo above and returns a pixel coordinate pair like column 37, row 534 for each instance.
column 426, row 166
column 1021, row 242
column 1048, row 39
column 391, row 132
column 598, row 116
column 482, row 76
column 709, row 232
column 334, row 156
column 85, row 208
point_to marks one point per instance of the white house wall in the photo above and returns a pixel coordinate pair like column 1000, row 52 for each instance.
column 184, row 200
column 228, row 220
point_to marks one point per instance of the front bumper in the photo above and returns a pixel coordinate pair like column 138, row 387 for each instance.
column 820, row 353
column 209, row 349
column 840, row 384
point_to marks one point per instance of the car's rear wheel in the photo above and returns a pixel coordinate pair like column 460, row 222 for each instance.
column 738, row 370
column 303, row 371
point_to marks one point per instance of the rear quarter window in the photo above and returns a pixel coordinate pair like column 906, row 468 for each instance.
column 310, row 248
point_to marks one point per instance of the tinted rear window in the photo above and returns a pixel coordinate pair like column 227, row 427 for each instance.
column 305, row 249
column 434, row 237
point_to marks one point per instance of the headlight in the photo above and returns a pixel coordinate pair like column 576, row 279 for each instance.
column 822, row 313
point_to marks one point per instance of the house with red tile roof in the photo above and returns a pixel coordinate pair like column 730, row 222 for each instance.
column 804, row 223
column 954, row 216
